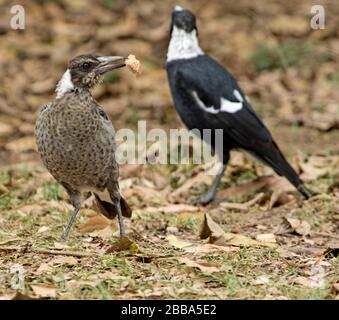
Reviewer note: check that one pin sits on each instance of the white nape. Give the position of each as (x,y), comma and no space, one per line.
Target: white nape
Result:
(225,105)
(178,8)
(64,85)
(183,45)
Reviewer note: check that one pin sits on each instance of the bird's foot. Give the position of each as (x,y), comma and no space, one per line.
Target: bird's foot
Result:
(63,238)
(204,199)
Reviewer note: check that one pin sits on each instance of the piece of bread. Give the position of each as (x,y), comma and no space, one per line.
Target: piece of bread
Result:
(133,64)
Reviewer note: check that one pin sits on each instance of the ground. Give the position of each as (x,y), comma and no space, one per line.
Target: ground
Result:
(264,242)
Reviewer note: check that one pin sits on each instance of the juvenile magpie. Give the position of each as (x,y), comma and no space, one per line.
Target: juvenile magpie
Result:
(76,142)
(206,96)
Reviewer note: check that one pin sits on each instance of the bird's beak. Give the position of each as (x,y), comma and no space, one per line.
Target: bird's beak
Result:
(108,63)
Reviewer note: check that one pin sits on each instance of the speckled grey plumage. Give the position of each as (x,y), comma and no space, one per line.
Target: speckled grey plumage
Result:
(75,140)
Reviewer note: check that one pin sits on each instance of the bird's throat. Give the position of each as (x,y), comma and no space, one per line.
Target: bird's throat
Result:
(183,45)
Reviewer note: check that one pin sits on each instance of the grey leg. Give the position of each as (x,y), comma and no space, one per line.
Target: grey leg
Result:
(120,220)
(70,223)
(209,195)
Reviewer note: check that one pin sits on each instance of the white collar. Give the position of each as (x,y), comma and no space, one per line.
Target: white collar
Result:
(183,45)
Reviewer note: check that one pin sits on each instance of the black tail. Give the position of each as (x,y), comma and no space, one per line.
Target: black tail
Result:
(108,209)
(276,160)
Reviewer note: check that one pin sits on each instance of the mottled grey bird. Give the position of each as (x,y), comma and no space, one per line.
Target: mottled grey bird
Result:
(75,139)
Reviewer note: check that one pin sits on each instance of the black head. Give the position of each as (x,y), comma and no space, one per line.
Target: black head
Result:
(86,70)
(183,19)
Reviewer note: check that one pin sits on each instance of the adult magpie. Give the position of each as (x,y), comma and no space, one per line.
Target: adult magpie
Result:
(206,96)
(76,139)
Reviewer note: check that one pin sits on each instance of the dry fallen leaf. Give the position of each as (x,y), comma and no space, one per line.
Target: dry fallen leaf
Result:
(44,267)
(45,290)
(301,227)
(60,246)
(317,166)
(278,187)
(16,295)
(174,208)
(93,223)
(123,244)
(22,145)
(243,206)
(63,260)
(210,229)
(203,266)
(105,233)
(263,279)
(175,242)
(208,248)
(266,237)
(43,229)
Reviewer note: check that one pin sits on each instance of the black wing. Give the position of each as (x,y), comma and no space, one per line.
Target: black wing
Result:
(206,80)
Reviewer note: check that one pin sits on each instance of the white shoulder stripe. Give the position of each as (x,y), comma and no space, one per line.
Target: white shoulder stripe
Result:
(202,105)
(237,94)
(230,106)
(225,105)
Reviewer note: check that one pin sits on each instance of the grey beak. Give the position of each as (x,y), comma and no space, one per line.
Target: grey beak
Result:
(108,63)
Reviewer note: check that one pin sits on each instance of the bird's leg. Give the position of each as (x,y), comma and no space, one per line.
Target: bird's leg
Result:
(209,195)
(70,223)
(120,220)
(75,198)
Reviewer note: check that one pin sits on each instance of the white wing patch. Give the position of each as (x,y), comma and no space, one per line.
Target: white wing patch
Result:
(225,105)
(65,84)
(237,94)
(202,105)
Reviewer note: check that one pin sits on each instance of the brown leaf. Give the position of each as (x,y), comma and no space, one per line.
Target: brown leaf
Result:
(266,237)
(45,290)
(63,260)
(301,227)
(16,295)
(217,235)
(317,166)
(208,248)
(123,244)
(243,206)
(278,187)
(43,229)
(22,145)
(203,266)
(174,208)
(211,229)
(96,222)
(105,233)
(44,267)
(60,246)
(175,242)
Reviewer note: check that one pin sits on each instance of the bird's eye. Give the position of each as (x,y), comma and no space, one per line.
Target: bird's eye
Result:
(85,65)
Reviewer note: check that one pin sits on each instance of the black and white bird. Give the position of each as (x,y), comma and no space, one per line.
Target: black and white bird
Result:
(206,96)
